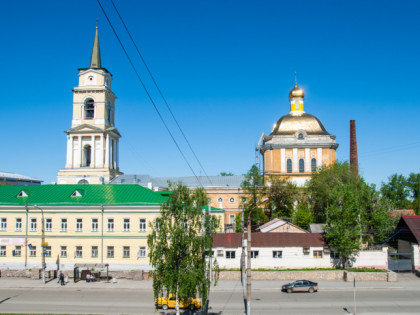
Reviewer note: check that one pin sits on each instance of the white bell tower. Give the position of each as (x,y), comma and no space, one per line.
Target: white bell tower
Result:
(92,141)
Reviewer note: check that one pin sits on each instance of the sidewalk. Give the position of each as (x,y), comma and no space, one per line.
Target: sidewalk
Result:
(407,283)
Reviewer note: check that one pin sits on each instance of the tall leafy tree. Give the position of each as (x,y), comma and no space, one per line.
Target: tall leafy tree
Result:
(303,216)
(413,183)
(253,192)
(179,248)
(226,174)
(343,228)
(323,182)
(397,191)
(281,196)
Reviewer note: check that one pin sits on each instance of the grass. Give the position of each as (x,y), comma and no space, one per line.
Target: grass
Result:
(315,269)
(366,270)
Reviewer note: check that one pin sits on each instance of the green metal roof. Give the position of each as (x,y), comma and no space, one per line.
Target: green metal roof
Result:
(90,195)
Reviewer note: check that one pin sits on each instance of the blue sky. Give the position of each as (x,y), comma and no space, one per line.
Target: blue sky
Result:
(226,68)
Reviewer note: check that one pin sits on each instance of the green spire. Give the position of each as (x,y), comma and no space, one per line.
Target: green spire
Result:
(95,60)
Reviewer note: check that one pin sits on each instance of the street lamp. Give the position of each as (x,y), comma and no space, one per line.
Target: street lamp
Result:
(42,242)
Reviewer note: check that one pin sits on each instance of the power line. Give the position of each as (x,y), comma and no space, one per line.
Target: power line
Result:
(159,90)
(147,92)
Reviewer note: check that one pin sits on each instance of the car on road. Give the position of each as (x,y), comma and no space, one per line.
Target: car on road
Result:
(300,286)
(170,302)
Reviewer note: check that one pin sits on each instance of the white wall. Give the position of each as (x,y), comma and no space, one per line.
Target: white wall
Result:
(416,256)
(292,257)
(372,259)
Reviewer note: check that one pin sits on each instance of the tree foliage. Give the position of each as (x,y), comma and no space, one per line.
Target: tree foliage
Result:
(253,192)
(303,216)
(281,196)
(397,190)
(323,182)
(178,248)
(226,174)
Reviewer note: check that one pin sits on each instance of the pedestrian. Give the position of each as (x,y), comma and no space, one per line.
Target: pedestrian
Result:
(61,278)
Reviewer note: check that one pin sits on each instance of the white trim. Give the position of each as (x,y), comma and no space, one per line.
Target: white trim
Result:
(283,167)
(295,165)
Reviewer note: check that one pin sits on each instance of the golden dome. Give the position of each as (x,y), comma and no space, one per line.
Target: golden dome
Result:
(296,92)
(292,123)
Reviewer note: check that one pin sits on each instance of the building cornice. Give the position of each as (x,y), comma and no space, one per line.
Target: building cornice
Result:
(272,146)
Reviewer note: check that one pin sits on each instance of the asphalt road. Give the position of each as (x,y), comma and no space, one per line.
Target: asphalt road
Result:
(397,300)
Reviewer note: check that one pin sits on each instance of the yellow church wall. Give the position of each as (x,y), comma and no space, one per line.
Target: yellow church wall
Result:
(267,160)
(276,160)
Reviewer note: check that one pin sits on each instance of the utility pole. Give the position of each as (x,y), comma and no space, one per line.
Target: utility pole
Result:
(248,272)
(42,242)
(243,250)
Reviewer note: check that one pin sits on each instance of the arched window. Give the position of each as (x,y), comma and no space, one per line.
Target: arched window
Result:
(83,182)
(313,165)
(289,166)
(89,109)
(86,155)
(300,136)
(301,165)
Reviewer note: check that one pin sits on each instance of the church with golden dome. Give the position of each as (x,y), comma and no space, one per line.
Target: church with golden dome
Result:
(298,145)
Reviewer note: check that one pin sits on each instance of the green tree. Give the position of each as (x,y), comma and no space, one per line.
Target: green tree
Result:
(226,174)
(416,206)
(397,191)
(281,196)
(323,182)
(343,227)
(413,183)
(303,216)
(178,248)
(253,192)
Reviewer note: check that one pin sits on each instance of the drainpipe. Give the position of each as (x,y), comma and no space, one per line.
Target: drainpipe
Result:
(26,237)
(102,235)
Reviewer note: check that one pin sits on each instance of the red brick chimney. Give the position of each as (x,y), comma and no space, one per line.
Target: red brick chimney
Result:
(354,163)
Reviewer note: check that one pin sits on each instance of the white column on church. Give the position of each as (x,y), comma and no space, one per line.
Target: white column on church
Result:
(282,160)
(295,168)
(79,152)
(307,160)
(114,166)
(69,150)
(117,154)
(92,151)
(319,158)
(101,153)
(107,151)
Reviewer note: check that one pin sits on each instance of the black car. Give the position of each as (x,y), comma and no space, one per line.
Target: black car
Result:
(300,286)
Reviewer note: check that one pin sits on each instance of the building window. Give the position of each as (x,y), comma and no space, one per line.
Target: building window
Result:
(334,255)
(277,254)
(32,251)
(3,224)
(33,225)
(63,251)
(110,225)
(126,252)
(232,200)
(219,253)
(289,165)
(48,225)
(18,251)
(220,200)
(301,165)
(306,250)
(300,136)
(157,224)
(89,108)
(255,253)
(2,251)
(47,251)
(94,251)
(317,254)
(231,218)
(95,225)
(83,182)
(142,252)
(110,252)
(79,251)
(142,225)
(230,254)
(18,224)
(79,225)
(313,165)
(87,150)
(126,225)
(63,225)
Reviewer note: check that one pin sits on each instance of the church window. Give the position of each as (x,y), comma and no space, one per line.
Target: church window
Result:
(86,155)
(89,108)
(300,136)
(301,165)
(82,182)
(109,113)
(289,166)
(313,165)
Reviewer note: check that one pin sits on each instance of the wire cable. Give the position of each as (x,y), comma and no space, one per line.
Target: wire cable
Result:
(159,90)
(147,92)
